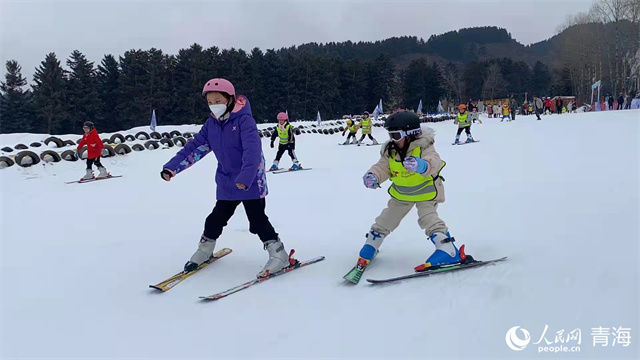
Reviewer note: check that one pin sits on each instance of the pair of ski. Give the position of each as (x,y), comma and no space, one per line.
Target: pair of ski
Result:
(283,170)
(81,181)
(354,275)
(168,284)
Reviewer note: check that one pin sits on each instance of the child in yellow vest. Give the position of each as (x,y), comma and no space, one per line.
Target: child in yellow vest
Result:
(286,142)
(505,112)
(366,125)
(411,162)
(352,128)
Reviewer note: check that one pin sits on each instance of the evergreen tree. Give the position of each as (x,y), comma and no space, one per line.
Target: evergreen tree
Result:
(107,77)
(50,96)
(133,105)
(16,109)
(541,79)
(82,93)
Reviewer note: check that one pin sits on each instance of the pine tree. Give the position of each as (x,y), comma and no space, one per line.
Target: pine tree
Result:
(541,79)
(81,92)
(16,111)
(107,77)
(50,96)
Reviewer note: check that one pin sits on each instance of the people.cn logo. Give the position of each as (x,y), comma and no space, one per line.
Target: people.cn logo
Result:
(515,342)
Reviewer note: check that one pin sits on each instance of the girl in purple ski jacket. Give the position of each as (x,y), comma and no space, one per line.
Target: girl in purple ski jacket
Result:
(231,133)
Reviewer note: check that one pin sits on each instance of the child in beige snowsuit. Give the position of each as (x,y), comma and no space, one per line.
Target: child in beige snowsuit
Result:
(411,162)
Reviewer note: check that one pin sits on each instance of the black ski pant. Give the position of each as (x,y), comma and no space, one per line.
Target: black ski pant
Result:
(258,221)
(513,115)
(466,129)
(538,113)
(351,135)
(363,135)
(96,161)
(288,147)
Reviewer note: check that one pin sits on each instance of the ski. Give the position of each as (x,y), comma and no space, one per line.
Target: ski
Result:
(347,144)
(466,142)
(177,278)
(354,275)
(275,169)
(439,270)
(93,179)
(288,170)
(250,283)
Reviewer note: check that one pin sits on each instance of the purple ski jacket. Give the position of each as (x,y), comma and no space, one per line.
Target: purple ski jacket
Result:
(238,148)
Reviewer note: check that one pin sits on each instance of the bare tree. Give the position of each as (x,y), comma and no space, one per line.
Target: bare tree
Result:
(494,84)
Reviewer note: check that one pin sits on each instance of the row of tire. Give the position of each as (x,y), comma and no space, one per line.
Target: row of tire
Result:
(28,158)
(154,140)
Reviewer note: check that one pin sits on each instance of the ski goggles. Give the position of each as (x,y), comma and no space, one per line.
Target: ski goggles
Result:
(397,135)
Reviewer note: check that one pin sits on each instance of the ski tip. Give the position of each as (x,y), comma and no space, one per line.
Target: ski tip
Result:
(157,288)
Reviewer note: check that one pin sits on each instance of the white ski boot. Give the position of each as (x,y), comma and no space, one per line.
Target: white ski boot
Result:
(354,141)
(278,258)
(204,253)
(103,172)
(88,175)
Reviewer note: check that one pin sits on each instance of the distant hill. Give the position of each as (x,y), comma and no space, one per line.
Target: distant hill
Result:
(459,46)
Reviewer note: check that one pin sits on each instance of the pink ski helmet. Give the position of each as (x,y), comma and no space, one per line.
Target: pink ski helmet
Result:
(282,116)
(219,85)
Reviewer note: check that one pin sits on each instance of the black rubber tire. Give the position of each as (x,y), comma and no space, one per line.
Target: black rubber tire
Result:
(6,162)
(166,135)
(130,138)
(54,155)
(82,154)
(151,145)
(115,137)
(156,135)
(56,140)
(297,131)
(137,147)
(166,142)
(69,155)
(69,143)
(175,133)
(331,131)
(122,149)
(108,151)
(22,155)
(21,147)
(187,135)
(7,149)
(179,141)
(142,136)
(35,144)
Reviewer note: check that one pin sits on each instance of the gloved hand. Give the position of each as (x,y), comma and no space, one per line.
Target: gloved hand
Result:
(415,164)
(166,175)
(370,181)
(272,144)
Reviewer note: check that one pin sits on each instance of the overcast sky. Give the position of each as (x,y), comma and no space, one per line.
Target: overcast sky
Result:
(30,29)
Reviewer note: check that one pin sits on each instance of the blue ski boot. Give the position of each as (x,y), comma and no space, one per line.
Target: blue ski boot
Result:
(295,167)
(274,167)
(446,253)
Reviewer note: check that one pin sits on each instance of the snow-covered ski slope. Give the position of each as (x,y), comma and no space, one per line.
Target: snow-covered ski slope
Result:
(559,197)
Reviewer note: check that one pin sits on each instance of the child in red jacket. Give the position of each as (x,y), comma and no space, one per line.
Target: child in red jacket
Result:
(94,150)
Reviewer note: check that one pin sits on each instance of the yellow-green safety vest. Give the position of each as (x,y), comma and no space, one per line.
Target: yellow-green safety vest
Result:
(366,126)
(352,128)
(462,120)
(284,134)
(410,186)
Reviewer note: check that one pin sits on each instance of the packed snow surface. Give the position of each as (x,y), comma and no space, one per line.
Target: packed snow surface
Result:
(559,197)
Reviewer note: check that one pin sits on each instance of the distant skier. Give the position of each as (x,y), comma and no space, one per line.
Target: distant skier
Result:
(231,133)
(547,106)
(287,142)
(94,150)
(464,123)
(352,128)
(366,125)
(412,164)
(513,107)
(538,106)
(505,112)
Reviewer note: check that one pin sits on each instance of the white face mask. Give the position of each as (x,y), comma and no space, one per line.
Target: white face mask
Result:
(218,109)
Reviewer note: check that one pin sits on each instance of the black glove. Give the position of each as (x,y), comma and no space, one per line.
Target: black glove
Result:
(167,172)
(272,144)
